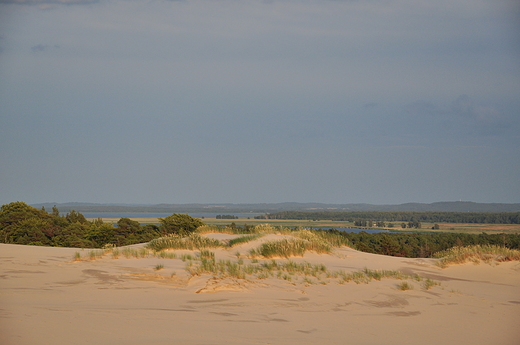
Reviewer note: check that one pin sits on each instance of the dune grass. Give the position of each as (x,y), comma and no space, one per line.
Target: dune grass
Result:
(135,252)
(258,229)
(193,242)
(259,264)
(243,239)
(475,254)
(304,240)
(429,283)
(288,247)
(403,286)
(296,272)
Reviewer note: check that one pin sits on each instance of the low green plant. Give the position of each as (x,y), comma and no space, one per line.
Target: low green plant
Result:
(307,280)
(186,257)
(243,239)
(166,255)
(428,284)
(115,253)
(158,267)
(96,254)
(405,286)
(206,254)
(264,229)
(77,256)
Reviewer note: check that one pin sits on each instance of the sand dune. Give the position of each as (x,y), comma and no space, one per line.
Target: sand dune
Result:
(48,298)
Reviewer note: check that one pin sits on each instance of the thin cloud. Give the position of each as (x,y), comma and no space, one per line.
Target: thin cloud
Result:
(465,107)
(42,47)
(370,105)
(487,120)
(422,108)
(49,2)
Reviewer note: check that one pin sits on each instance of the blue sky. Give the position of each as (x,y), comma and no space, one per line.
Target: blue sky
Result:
(217,101)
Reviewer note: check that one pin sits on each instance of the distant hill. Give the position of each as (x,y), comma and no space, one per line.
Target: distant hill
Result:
(446,206)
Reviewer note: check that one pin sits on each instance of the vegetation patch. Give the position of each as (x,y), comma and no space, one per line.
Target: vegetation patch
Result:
(405,286)
(477,253)
(193,242)
(243,239)
(304,240)
(288,247)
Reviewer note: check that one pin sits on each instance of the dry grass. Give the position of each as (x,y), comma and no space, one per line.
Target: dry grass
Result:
(257,267)
(289,247)
(192,242)
(403,286)
(243,239)
(477,253)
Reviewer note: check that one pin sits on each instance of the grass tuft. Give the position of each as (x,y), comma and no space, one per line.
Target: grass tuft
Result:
(428,284)
(243,239)
(405,286)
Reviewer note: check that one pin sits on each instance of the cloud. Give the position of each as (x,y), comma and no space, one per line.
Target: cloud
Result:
(466,108)
(465,115)
(486,119)
(41,47)
(370,105)
(422,108)
(49,2)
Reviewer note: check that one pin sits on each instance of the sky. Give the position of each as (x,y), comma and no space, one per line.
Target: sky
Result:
(253,101)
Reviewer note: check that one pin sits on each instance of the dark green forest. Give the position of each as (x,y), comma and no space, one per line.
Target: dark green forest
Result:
(426,217)
(423,245)
(24,224)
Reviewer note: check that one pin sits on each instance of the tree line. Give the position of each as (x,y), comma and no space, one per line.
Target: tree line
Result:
(423,245)
(24,224)
(226,216)
(425,217)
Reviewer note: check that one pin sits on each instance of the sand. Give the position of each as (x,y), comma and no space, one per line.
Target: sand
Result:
(48,298)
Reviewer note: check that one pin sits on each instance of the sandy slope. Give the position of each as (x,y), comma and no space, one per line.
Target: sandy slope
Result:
(46,298)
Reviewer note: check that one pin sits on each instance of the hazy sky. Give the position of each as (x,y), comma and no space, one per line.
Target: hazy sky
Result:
(246,101)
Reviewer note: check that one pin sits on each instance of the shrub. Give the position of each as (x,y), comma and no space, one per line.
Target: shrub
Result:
(179,224)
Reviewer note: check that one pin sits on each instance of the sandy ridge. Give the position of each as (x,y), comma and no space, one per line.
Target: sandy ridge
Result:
(47,298)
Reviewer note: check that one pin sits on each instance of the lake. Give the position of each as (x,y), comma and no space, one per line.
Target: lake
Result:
(203,215)
(355,230)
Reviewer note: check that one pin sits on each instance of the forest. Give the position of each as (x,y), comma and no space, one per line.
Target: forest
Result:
(24,224)
(423,245)
(426,217)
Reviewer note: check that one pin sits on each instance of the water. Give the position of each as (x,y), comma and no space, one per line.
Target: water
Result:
(158,215)
(356,230)
(118,215)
